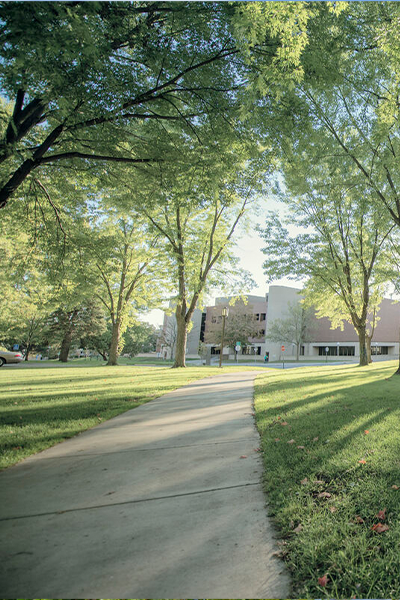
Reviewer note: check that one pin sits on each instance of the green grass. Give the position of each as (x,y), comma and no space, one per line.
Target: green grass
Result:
(43,405)
(340,415)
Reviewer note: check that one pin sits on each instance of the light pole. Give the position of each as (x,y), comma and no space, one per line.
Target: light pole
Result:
(224,315)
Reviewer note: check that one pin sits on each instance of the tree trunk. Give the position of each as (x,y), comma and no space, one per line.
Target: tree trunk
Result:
(362,338)
(28,349)
(181,339)
(102,354)
(398,370)
(368,345)
(113,352)
(65,346)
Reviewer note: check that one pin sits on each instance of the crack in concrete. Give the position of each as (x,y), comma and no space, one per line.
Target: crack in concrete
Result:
(68,510)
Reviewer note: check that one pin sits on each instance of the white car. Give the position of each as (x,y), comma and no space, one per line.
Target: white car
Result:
(7,357)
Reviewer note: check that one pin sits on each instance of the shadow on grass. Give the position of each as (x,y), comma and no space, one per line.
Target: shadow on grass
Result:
(347,426)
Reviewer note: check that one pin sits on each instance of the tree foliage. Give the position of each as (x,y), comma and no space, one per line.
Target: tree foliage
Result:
(294,328)
(240,326)
(343,256)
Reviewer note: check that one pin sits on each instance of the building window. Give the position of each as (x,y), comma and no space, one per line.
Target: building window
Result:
(213,319)
(257,316)
(263,316)
(262,332)
(251,350)
(379,350)
(332,351)
(301,350)
(347,350)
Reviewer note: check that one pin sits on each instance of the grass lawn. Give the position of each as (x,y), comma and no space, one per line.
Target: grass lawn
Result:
(331,448)
(42,405)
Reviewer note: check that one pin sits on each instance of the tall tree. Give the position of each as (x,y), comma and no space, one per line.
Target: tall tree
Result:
(344,257)
(295,327)
(70,325)
(197,214)
(125,268)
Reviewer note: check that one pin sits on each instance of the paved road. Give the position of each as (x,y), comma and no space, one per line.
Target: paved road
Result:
(155,503)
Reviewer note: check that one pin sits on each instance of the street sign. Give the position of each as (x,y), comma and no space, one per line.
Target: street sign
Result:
(283,348)
(16,347)
(327,349)
(238,344)
(237,348)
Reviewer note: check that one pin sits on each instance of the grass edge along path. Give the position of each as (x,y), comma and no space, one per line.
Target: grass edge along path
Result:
(330,442)
(42,406)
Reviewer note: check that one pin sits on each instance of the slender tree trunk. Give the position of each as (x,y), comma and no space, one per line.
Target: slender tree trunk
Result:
(102,354)
(65,346)
(113,352)
(181,339)
(368,345)
(362,338)
(398,370)
(28,349)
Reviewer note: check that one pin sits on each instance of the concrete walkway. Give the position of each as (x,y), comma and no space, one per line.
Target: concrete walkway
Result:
(155,503)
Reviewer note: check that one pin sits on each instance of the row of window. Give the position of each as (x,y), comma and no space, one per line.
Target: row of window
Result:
(257,317)
(349,350)
(333,351)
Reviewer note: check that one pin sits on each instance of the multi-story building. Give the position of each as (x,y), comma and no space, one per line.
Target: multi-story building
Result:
(323,343)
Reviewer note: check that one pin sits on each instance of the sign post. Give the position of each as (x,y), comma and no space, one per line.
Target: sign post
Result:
(326,353)
(283,356)
(237,349)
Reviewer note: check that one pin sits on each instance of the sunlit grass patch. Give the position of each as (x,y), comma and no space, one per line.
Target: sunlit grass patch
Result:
(331,447)
(44,405)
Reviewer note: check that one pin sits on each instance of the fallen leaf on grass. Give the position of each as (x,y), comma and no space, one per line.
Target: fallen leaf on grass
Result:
(324,495)
(291,441)
(284,423)
(301,447)
(319,482)
(277,440)
(379,528)
(358,519)
(366,431)
(322,581)
(304,481)
(395,487)
(333,509)
(298,528)
(362,461)
(381,515)
(315,439)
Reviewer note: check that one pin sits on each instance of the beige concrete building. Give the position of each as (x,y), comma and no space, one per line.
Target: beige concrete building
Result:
(323,344)
(333,344)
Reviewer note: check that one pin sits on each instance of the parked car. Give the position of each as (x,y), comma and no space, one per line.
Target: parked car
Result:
(7,357)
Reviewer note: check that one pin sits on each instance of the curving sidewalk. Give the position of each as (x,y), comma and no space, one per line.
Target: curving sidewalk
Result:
(158,502)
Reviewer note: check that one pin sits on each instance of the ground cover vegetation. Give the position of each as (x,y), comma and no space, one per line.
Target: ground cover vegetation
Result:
(330,443)
(41,406)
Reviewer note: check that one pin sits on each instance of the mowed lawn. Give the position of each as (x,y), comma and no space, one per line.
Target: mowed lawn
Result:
(43,405)
(331,448)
